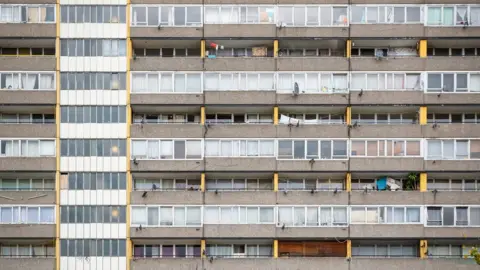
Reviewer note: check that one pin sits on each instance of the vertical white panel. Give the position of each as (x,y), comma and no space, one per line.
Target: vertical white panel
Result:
(122,263)
(122,197)
(63,196)
(93,197)
(63,230)
(64,263)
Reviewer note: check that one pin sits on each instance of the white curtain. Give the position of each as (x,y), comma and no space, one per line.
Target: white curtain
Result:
(226,148)
(434,216)
(139,216)
(211,15)
(211,215)
(312,216)
(398,215)
(139,148)
(212,148)
(475,16)
(33,148)
(46,81)
(266,215)
(285,216)
(299,216)
(166,82)
(325,216)
(339,216)
(194,149)
(47,148)
(413,215)
(180,219)
(434,149)
(33,215)
(313,83)
(267,148)
(166,149)
(139,83)
(194,83)
(474,216)
(47,215)
(252,148)
(194,216)
(180,83)
(285,82)
(153,149)
(252,215)
(358,81)
(166,216)
(212,81)
(462,216)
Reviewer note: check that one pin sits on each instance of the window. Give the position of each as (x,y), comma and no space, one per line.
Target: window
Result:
(166,251)
(93,81)
(301,16)
(239,250)
(27,148)
(385,215)
(167,149)
(453,82)
(312,82)
(238,215)
(93,14)
(386,14)
(27,215)
(227,81)
(167,82)
(453,149)
(27,81)
(385,81)
(311,216)
(238,184)
(27,184)
(458,216)
(93,47)
(453,15)
(27,13)
(167,216)
(384,118)
(92,214)
(225,14)
(93,114)
(166,16)
(239,148)
(93,181)
(312,149)
(385,148)
(385,250)
(93,248)
(166,184)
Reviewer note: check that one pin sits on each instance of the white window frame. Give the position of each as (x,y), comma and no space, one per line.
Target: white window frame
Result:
(385,211)
(454,6)
(173,140)
(238,12)
(385,6)
(239,220)
(19,142)
(19,212)
(385,147)
(455,90)
(185,207)
(389,80)
(38,74)
(333,21)
(331,140)
(454,216)
(331,210)
(454,140)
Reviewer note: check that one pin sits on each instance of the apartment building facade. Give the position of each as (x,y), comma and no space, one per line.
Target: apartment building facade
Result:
(217,134)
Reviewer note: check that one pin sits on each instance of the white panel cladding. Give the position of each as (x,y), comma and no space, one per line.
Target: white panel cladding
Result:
(94,231)
(93,2)
(93,63)
(93,131)
(93,30)
(93,164)
(93,263)
(93,97)
(93,197)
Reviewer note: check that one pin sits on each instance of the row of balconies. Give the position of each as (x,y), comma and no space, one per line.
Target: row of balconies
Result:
(341,197)
(304,263)
(261,31)
(338,64)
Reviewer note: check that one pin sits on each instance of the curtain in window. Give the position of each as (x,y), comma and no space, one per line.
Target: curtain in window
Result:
(139,83)
(339,83)
(475,16)
(358,81)
(166,149)
(47,148)
(47,215)
(194,216)
(339,216)
(285,216)
(33,16)
(180,219)
(413,215)
(461,17)
(33,149)
(434,149)
(434,216)
(211,215)
(285,82)
(166,216)
(434,15)
(139,216)
(448,16)
(46,81)
(299,216)
(152,215)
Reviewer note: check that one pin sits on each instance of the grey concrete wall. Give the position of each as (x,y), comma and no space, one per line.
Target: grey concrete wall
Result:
(27,263)
(167,64)
(453,63)
(386,231)
(239,30)
(28,164)
(32,63)
(451,165)
(167,131)
(465,98)
(27,197)
(387,30)
(22,30)
(451,130)
(315,232)
(240,97)
(242,131)
(386,164)
(324,32)
(308,198)
(239,231)
(386,97)
(24,97)
(28,130)
(240,164)
(166,264)
(312,64)
(452,232)
(452,32)
(312,131)
(388,64)
(312,99)
(387,197)
(27,231)
(166,99)
(168,165)
(167,232)
(179,32)
(240,64)
(240,198)
(386,131)
(167,197)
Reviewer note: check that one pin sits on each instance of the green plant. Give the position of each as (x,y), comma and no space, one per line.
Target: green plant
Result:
(412,182)
(475,254)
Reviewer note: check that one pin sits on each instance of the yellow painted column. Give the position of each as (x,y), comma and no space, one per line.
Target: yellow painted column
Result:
(348,182)
(349,248)
(275,115)
(422,48)
(203,248)
(423,182)
(57,137)
(275,248)
(275,48)
(202,48)
(128,148)
(348,115)
(423,115)
(202,115)
(423,249)
(348,48)
(275,182)
(202,182)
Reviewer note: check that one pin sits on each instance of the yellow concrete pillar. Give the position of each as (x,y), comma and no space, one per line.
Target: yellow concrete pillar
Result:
(348,182)
(202,48)
(203,248)
(423,115)
(275,115)
(348,115)
(202,115)
(275,248)
(423,182)
(202,182)
(349,248)
(423,249)
(275,182)
(422,48)
(275,48)
(348,52)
